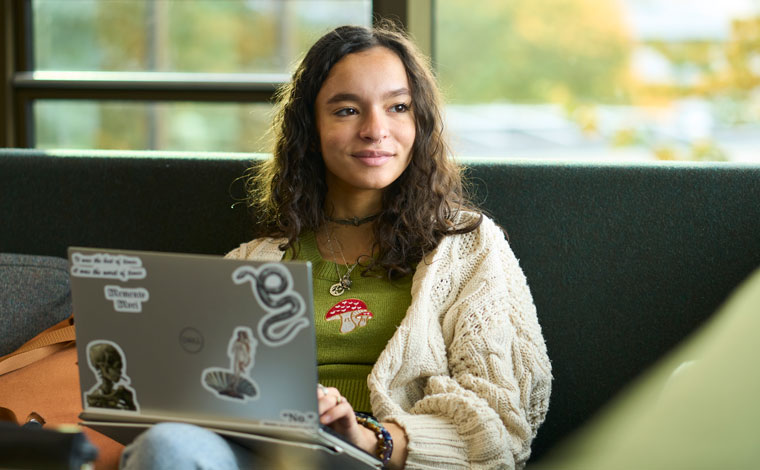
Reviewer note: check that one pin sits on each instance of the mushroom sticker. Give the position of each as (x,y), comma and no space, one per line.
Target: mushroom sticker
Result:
(352,314)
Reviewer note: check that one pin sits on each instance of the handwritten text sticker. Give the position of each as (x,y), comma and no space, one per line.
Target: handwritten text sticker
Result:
(126,299)
(106,266)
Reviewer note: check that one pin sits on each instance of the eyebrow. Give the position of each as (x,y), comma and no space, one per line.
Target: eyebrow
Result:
(352,97)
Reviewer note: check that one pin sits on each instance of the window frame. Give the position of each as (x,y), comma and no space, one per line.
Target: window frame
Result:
(21,86)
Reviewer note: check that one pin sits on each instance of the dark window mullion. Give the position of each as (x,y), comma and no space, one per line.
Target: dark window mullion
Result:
(19,130)
(159,86)
(23,35)
(115,94)
(24,92)
(395,10)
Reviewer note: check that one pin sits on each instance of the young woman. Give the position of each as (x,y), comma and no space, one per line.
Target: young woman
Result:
(423,316)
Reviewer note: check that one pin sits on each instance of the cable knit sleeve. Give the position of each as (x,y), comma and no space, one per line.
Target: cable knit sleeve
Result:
(484,386)
(259,249)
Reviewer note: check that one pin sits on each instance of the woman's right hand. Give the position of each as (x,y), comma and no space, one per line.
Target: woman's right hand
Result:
(337,413)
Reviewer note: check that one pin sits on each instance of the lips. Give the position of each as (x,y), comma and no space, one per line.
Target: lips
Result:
(373,157)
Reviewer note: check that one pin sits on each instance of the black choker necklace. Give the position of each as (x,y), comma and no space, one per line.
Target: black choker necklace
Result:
(355,221)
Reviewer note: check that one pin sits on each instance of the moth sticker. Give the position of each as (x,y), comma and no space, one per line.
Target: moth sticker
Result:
(109,364)
(234,383)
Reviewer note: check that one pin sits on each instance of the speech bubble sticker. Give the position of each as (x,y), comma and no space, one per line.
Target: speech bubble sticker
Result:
(107,266)
(109,364)
(127,299)
(235,384)
(299,418)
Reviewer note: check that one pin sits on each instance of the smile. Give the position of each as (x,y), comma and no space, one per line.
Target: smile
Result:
(373,157)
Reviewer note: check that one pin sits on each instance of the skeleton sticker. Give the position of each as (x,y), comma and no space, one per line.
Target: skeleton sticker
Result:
(272,285)
(109,364)
(351,313)
(235,383)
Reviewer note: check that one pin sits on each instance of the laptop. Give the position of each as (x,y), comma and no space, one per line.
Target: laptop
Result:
(228,345)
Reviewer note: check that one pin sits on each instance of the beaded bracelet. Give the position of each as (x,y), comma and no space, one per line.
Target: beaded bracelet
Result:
(384,440)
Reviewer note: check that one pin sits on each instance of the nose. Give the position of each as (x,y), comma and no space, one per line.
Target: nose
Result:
(374,126)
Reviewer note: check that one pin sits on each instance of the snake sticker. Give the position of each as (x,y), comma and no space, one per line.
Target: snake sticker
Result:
(272,285)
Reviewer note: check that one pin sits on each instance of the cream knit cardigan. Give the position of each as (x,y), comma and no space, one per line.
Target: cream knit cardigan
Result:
(466,373)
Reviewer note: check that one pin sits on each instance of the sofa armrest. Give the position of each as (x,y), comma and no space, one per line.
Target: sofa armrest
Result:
(34,294)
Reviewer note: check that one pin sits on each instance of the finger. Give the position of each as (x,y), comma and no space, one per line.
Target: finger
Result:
(327,402)
(341,414)
(330,400)
(323,391)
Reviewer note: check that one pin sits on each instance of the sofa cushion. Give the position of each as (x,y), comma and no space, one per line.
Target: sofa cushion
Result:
(34,294)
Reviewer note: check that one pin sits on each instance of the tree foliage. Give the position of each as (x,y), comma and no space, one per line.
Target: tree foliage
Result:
(532,51)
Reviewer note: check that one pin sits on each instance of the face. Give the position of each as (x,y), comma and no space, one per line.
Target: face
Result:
(365,123)
(110,368)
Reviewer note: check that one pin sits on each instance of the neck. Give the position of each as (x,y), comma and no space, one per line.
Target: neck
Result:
(360,207)
(348,241)
(352,240)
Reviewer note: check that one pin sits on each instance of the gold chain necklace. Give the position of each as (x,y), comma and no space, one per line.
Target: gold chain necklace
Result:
(344,282)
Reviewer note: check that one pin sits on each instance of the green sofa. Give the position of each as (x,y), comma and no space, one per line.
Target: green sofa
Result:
(624,260)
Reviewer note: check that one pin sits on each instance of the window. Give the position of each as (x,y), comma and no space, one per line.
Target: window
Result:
(173,125)
(601,79)
(158,74)
(590,79)
(204,36)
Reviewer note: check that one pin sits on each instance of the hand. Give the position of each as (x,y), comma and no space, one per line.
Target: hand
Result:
(337,413)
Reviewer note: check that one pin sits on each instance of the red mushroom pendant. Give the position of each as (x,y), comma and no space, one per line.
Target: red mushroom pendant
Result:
(352,313)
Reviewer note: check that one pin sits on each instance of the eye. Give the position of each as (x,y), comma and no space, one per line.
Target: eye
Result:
(346,112)
(400,108)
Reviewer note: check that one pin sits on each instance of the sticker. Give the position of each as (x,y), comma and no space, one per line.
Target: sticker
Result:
(272,286)
(191,340)
(108,362)
(352,314)
(298,417)
(105,266)
(127,299)
(234,383)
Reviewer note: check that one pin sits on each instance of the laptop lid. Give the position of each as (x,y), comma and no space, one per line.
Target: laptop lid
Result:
(194,337)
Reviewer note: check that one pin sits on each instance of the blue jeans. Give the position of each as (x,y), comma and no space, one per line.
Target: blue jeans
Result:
(184,446)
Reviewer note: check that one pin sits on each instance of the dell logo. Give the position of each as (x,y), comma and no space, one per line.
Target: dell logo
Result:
(191,340)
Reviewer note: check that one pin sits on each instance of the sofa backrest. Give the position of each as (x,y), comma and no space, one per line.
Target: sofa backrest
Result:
(623,260)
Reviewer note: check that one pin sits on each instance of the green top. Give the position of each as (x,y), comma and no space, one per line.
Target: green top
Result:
(353,328)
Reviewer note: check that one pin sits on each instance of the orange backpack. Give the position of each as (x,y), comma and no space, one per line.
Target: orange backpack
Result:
(41,379)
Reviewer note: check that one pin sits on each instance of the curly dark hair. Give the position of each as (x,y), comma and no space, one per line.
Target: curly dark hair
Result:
(287,192)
